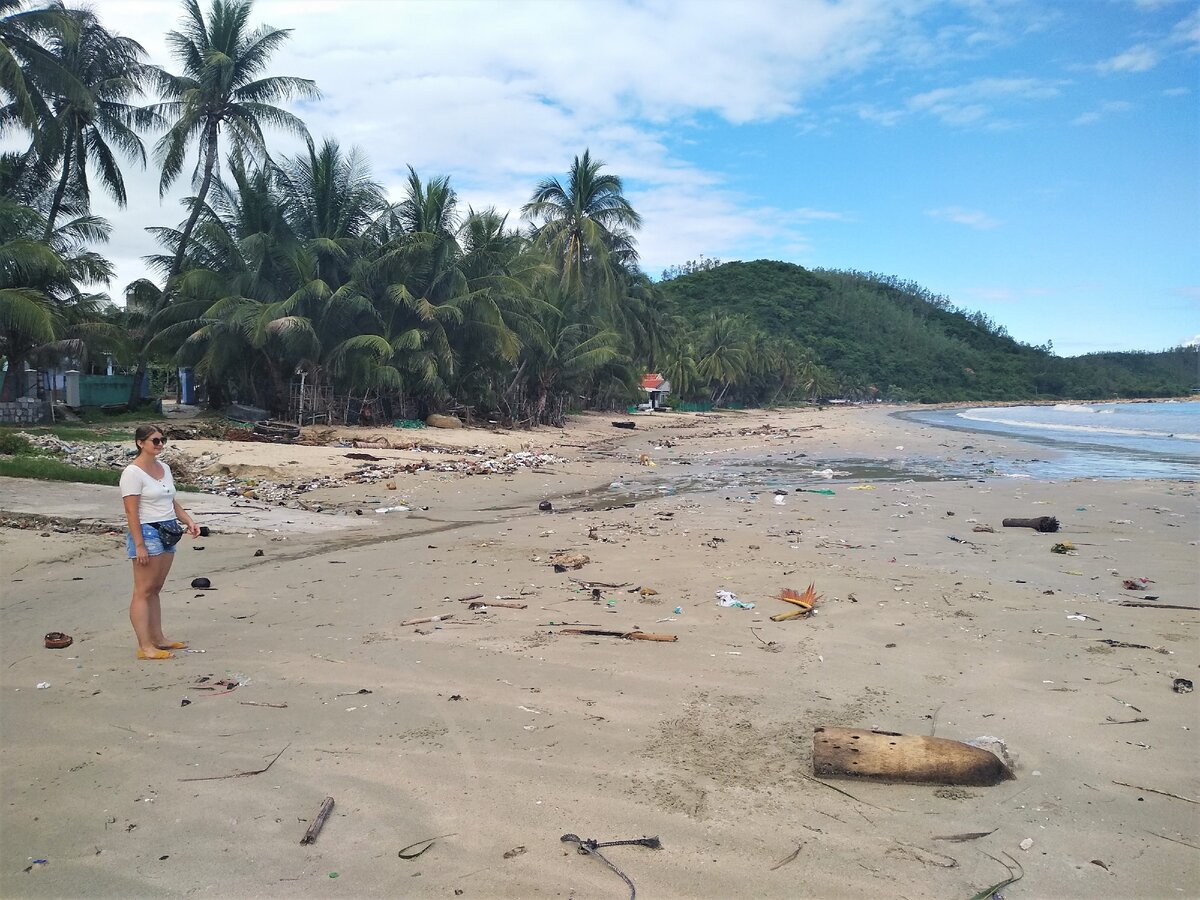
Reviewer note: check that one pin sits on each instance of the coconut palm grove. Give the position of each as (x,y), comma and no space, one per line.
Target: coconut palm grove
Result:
(287,269)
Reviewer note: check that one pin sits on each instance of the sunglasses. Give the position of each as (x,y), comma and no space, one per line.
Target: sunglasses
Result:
(158,442)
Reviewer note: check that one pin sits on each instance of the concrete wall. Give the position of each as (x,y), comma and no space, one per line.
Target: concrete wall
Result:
(26,411)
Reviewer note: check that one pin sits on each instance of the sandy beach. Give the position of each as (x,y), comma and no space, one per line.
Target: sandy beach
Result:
(499,732)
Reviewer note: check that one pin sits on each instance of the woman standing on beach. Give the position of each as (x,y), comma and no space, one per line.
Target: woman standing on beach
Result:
(148,491)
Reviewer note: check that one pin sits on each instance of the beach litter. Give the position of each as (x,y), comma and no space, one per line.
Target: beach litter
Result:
(56,640)
(829,492)
(37,864)
(428,842)
(1063,548)
(201,584)
(805,601)
(729,599)
(42,685)
(563,561)
(1136,584)
(1015,874)
(1038,523)
(1179,686)
(894,757)
(591,847)
(310,836)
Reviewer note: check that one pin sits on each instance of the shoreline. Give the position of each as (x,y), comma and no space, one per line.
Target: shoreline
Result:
(705,742)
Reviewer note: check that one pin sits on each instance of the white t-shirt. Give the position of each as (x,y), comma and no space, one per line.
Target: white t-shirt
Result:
(156,496)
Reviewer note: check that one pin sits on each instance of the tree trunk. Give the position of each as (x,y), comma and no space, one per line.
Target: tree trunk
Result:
(278,400)
(210,160)
(539,405)
(59,193)
(11,387)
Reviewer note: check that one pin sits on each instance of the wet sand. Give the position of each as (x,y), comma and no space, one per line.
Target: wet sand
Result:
(705,742)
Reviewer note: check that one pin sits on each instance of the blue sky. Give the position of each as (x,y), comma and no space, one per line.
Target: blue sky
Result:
(1039,161)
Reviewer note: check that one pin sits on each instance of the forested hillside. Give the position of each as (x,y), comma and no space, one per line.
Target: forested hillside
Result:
(905,343)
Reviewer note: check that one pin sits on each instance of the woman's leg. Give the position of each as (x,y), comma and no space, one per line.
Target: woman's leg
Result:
(161,566)
(144,611)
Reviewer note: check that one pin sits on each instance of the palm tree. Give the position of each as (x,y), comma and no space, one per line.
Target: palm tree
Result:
(40,278)
(723,359)
(220,88)
(585,227)
(27,68)
(108,70)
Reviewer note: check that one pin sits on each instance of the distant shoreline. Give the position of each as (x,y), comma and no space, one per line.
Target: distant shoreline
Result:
(999,404)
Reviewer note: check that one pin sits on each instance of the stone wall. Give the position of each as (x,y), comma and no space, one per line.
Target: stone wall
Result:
(25,411)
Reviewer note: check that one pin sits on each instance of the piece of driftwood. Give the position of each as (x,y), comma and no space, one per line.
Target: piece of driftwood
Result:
(966,836)
(240,774)
(422,621)
(1037,523)
(504,604)
(1141,787)
(889,756)
(597,584)
(1140,605)
(256,703)
(627,635)
(318,823)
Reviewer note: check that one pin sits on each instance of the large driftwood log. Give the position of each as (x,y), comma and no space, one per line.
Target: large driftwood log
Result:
(885,756)
(1038,523)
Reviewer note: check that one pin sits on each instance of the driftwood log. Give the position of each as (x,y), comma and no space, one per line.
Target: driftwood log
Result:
(318,823)
(505,604)
(627,635)
(422,621)
(887,756)
(1038,523)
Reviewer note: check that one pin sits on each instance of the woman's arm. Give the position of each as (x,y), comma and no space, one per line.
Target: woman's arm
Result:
(135,528)
(182,515)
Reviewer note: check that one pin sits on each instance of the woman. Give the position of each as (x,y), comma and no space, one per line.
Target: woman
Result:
(148,491)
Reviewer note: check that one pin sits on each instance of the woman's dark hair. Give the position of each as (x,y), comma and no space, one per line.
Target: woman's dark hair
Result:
(143,432)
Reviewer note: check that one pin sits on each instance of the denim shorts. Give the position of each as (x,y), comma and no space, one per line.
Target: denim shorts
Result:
(154,544)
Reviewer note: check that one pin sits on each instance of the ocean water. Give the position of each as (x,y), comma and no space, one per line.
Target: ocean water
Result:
(1105,440)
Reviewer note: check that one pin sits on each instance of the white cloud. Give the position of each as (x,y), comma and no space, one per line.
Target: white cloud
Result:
(1138,58)
(499,96)
(1102,111)
(972,218)
(976,101)
(1187,31)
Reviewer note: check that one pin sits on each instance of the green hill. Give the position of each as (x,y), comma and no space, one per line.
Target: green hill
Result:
(911,344)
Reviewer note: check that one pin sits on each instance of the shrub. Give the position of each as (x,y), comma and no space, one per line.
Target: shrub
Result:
(13,444)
